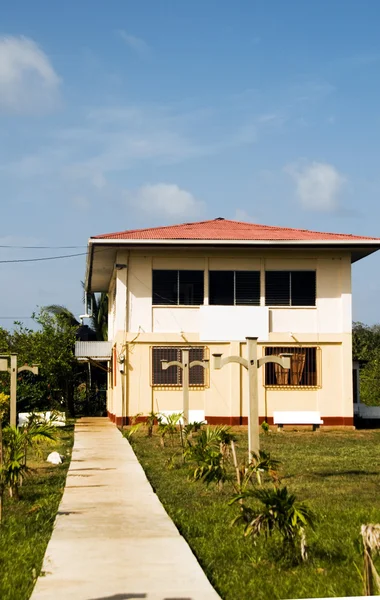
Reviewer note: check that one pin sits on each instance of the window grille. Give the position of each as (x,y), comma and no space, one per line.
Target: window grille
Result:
(303,370)
(178,287)
(173,375)
(290,288)
(240,288)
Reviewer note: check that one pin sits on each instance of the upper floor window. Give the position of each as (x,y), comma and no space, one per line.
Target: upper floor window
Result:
(178,287)
(290,288)
(234,288)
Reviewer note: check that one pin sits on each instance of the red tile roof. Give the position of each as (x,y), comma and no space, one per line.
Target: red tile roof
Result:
(223,229)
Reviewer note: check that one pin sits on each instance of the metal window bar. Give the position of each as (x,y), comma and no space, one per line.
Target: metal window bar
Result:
(302,373)
(172,377)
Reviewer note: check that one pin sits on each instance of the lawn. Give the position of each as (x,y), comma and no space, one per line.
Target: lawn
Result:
(27,525)
(336,472)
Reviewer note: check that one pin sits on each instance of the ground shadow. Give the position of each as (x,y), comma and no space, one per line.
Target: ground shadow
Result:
(95,469)
(120,597)
(69,512)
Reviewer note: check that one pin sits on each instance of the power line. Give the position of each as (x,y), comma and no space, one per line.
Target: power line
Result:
(43,247)
(23,260)
(16,318)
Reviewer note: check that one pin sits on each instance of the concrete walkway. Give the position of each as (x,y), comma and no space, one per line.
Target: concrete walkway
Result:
(112,538)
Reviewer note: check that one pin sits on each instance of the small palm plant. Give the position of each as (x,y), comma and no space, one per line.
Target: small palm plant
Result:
(37,431)
(132,430)
(15,445)
(280,512)
(209,453)
(150,421)
(262,462)
(192,428)
(168,426)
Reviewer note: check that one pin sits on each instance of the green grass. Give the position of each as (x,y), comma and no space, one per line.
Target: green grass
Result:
(27,525)
(336,472)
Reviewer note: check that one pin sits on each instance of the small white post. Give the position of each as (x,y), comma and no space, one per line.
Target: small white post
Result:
(185,384)
(253,410)
(13,394)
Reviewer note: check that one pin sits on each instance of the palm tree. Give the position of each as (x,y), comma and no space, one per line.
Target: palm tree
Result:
(99,314)
(16,441)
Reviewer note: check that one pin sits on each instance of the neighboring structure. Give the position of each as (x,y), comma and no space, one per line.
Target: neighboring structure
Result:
(207,286)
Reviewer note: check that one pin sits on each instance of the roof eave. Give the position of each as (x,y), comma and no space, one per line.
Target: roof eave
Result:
(208,242)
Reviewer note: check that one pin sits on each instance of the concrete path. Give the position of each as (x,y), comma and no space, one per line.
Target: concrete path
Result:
(112,538)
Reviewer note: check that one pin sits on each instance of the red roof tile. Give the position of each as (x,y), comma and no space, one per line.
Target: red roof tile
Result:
(223,229)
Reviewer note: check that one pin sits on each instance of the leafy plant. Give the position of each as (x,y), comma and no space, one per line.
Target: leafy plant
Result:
(151,420)
(265,427)
(261,463)
(4,405)
(209,452)
(16,442)
(280,512)
(133,429)
(192,428)
(168,425)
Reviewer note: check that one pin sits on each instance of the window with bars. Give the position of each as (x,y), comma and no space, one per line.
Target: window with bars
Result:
(303,370)
(237,288)
(290,288)
(178,287)
(173,375)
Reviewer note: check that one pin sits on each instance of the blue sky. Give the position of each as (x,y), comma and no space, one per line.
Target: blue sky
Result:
(132,114)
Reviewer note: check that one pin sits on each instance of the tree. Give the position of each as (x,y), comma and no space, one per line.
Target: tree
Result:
(366,348)
(51,346)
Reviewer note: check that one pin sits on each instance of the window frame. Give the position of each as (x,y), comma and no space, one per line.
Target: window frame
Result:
(178,287)
(234,272)
(293,386)
(178,386)
(290,305)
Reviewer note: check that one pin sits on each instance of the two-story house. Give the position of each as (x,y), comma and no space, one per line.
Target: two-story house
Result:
(208,286)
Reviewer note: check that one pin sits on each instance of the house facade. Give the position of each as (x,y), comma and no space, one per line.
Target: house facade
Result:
(207,286)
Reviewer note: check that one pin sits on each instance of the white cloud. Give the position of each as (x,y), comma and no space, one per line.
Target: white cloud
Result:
(135,43)
(28,82)
(318,185)
(165,200)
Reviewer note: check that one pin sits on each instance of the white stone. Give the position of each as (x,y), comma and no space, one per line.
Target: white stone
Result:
(54,458)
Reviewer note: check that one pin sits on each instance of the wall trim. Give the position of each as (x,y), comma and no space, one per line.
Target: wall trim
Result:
(236,421)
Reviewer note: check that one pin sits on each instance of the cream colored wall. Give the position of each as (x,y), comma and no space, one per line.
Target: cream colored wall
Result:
(227,392)
(328,326)
(332,313)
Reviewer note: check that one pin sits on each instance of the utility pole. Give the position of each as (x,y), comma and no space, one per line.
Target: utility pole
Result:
(185,365)
(14,371)
(252,364)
